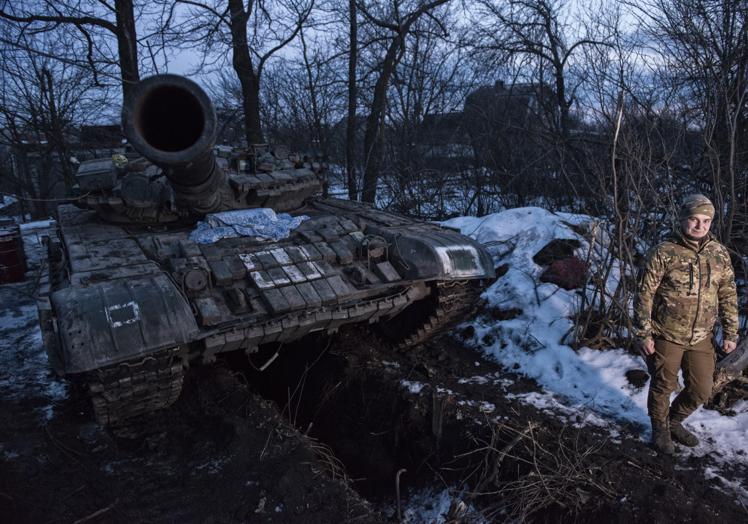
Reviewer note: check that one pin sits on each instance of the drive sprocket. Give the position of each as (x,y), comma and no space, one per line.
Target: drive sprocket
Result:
(448,304)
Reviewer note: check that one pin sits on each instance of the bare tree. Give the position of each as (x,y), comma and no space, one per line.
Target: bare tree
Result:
(302,96)
(536,28)
(253,32)
(42,104)
(350,133)
(426,144)
(88,22)
(705,47)
(540,45)
(395,20)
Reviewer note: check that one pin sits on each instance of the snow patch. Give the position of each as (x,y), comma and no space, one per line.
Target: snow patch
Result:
(586,387)
(413,387)
(737,487)
(25,373)
(430,506)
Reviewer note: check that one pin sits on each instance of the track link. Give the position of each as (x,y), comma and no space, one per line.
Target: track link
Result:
(451,302)
(136,387)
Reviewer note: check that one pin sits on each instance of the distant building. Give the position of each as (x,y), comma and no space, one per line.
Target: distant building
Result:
(92,138)
(446,141)
(496,120)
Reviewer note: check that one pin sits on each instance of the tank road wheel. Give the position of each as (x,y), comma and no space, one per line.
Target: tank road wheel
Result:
(136,387)
(449,303)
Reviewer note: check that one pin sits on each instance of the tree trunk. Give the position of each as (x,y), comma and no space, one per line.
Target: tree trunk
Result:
(127,46)
(350,133)
(55,133)
(245,72)
(372,137)
(317,134)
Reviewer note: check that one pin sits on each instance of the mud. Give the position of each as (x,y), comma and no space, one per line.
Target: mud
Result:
(221,454)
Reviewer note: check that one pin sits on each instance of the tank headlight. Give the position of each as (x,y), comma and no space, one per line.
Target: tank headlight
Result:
(460,261)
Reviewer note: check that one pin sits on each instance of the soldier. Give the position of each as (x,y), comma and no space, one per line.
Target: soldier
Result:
(688,281)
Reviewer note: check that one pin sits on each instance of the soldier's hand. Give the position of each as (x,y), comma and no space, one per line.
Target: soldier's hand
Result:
(647,347)
(728,347)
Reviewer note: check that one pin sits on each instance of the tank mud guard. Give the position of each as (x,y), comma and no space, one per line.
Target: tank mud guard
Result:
(118,321)
(436,254)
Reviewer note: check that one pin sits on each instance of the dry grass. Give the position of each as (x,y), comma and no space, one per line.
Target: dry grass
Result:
(523,472)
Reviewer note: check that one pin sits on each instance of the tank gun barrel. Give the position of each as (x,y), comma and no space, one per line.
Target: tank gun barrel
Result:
(171,121)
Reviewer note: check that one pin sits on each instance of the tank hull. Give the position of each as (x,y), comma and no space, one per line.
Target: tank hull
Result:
(131,293)
(145,279)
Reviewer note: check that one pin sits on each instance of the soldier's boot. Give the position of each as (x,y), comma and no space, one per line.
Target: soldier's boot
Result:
(681,435)
(661,439)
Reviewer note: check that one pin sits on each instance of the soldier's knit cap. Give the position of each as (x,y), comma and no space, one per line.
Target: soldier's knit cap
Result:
(696,204)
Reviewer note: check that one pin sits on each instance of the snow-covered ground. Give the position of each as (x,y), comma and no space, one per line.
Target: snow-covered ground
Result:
(430,196)
(23,362)
(587,384)
(431,506)
(24,369)
(6,201)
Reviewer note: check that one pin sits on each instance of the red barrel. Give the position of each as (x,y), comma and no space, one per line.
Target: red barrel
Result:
(12,257)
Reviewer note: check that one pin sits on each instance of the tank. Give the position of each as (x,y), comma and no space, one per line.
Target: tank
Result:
(141,285)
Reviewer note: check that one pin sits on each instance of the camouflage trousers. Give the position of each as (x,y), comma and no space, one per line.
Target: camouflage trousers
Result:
(697,362)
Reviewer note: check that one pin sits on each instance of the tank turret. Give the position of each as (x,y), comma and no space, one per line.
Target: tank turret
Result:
(170,121)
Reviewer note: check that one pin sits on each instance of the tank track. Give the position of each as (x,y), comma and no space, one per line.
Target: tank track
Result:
(136,387)
(451,302)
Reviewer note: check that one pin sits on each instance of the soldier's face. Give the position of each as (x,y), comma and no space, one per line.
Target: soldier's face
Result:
(696,226)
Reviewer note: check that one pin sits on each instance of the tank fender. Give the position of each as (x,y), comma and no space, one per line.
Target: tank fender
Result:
(111,322)
(440,253)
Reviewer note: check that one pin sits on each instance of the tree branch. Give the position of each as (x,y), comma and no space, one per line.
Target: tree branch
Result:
(82,20)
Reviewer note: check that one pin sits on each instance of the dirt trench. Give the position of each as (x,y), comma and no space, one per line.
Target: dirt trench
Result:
(440,417)
(352,402)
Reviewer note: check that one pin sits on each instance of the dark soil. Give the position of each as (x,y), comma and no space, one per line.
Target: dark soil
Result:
(221,454)
(321,436)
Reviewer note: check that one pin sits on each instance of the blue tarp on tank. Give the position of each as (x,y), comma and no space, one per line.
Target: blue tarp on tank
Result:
(257,223)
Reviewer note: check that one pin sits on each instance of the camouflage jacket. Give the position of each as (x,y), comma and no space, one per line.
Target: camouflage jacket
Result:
(682,290)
